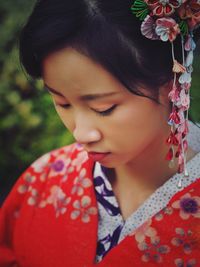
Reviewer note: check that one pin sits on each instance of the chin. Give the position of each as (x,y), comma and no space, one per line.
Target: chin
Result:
(108,165)
(112,163)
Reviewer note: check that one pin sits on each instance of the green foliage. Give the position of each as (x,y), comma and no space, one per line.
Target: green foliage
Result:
(195,90)
(140,9)
(29,125)
(183,27)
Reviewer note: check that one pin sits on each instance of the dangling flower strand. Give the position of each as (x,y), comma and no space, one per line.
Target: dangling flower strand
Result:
(164,20)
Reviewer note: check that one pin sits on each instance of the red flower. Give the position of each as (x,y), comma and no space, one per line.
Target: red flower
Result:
(162,8)
(190,11)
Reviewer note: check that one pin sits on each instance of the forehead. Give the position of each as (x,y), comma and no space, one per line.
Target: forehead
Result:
(68,70)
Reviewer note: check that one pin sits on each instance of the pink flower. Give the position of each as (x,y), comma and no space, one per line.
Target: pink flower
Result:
(172,139)
(184,239)
(29,179)
(83,209)
(80,183)
(60,166)
(188,206)
(186,86)
(181,263)
(58,199)
(81,158)
(148,28)
(163,8)
(190,11)
(166,211)
(189,44)
(174,117)
(57,195)
(183,128)
(153,252)
(167,29)
(184,100)
(174,94)
(40,164)
(144,230)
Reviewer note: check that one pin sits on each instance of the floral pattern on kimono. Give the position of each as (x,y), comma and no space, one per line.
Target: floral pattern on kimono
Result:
(53,217)
(113,229)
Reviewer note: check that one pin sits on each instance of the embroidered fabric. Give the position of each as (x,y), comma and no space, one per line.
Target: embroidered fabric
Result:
(112,229)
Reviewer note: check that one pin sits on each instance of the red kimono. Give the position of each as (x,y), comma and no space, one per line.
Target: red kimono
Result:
(50,219)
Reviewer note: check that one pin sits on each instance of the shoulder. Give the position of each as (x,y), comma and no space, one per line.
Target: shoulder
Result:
(57,185)
(59,161)
(47,174)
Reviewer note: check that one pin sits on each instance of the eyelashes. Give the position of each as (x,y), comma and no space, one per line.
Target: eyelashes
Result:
(65,106)
(106,112)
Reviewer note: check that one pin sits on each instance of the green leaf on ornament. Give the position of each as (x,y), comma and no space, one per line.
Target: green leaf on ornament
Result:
(140,9)
(183,27)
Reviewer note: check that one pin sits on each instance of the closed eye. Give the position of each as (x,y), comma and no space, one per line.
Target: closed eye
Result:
(106,112)
(62,105)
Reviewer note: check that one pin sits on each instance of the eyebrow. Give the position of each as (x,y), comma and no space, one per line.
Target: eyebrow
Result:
(88,97)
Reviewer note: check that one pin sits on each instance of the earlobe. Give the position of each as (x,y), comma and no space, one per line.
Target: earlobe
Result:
(168,87)
(164,93)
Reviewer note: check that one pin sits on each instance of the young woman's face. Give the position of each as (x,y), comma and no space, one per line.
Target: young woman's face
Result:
(101,113)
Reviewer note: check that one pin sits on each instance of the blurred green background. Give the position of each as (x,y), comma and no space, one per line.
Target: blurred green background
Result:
(29,125)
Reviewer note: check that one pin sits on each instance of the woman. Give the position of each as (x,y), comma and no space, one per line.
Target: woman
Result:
(121,195)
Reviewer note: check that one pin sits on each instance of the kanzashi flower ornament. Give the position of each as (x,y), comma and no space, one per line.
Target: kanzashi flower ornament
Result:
(190,11)
(164,20)
(163,8)
(167,29)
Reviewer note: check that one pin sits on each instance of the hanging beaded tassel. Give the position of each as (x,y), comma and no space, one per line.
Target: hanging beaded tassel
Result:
(165,20)
(180,97)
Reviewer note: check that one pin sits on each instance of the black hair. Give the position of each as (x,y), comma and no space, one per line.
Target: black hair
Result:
(104,30)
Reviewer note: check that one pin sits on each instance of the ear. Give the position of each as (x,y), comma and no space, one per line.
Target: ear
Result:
(166,88)
(164,95)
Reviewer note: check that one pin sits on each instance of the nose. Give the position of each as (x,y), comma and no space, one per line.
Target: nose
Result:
(85,132)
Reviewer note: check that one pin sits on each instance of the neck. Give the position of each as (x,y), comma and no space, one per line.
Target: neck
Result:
(148,171)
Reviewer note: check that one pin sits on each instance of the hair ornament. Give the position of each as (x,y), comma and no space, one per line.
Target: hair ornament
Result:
(164,20)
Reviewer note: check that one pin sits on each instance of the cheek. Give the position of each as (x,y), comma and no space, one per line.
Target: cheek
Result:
(138,126)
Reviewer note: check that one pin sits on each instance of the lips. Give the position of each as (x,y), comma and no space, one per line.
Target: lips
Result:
(95,152)
(96,156)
